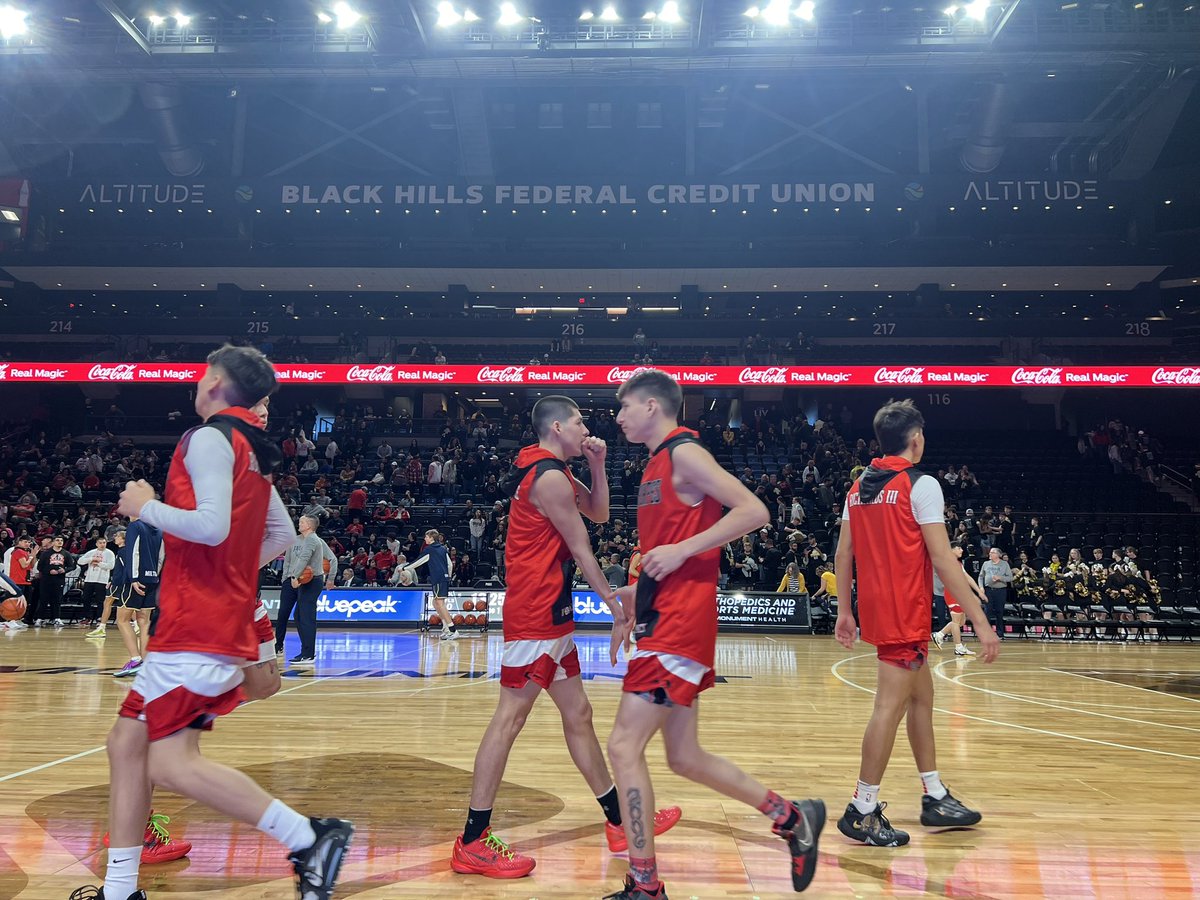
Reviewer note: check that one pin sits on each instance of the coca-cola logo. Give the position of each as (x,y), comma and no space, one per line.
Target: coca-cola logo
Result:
(769,375)
(372,373)
(1044,375)
(616,374)
(907,375)
(504,375)
(1186,376)
(119,372)
(3,371)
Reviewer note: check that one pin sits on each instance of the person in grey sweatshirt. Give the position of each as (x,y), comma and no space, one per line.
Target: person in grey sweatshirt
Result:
(994,577)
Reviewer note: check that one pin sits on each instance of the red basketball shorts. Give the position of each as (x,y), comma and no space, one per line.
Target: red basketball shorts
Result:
(665,678)
(173,691)
(911,655)
(952,604)
(543,662)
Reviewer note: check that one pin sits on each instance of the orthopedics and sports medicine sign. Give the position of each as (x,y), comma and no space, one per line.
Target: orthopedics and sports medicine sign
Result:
(412,375)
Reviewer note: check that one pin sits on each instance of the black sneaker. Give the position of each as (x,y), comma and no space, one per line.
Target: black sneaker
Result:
(317,867)
(802,840)
(632,892)
(90,892)
(872,829)
(301,659)
(947,813)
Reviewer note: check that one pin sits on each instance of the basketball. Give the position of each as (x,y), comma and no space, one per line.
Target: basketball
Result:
(12,608)
(470,620)
(481,619)
(468,605)
(435,620)
(458,619)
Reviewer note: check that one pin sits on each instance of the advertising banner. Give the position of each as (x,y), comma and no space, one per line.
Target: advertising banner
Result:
(598,376)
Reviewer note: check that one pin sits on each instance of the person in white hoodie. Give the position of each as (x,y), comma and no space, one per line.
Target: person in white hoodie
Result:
(97,565)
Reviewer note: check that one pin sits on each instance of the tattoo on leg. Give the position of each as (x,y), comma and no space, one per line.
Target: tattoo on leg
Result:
(637,823)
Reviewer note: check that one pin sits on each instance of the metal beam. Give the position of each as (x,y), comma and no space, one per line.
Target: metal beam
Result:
(1004,19)
(110,7)
(418,24)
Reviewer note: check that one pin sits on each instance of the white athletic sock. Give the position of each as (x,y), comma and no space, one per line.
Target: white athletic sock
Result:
(932,782)
(122,876)
(866,797)
(287,826)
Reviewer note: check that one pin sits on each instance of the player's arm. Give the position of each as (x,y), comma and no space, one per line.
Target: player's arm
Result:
(554,495)
(960,585)
(593,501)
(278,533)
(843,573)
(209,462)
(698,470)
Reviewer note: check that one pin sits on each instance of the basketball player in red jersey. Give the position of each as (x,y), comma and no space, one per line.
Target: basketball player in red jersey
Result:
(893,527)
(221,520)
(681,531)
(546,538)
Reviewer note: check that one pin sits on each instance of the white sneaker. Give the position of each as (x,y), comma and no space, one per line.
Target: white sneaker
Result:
(17,625)
(59,623)
(97,632)
(448,635)
(938,638)
(38,623)
(962,650)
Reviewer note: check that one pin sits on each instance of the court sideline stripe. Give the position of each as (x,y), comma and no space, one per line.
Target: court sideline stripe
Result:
(949,712)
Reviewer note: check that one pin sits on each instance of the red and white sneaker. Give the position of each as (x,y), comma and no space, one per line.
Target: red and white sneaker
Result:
(157,845)
(490,857)
(664,820)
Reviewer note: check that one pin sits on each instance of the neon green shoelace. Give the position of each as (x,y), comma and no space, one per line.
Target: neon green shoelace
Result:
(157,824)
(494,843)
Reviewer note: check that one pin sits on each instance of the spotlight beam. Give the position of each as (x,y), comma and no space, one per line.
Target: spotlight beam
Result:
(110,7)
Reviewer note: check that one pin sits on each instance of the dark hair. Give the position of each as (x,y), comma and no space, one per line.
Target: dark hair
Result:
(657,384)
(251,375)
(551,409)
(894,425)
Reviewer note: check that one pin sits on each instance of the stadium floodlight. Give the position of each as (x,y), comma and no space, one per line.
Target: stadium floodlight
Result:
(469,16)
(670,13)
(777,12)
(155,21)
(806,10)
(447,15)
(509,15)
(609,14)
(650,16)
(977,9)
(324,18)
(182,20)
(586,16)
(752,12)
(12,22)
(346,16)
(951,11)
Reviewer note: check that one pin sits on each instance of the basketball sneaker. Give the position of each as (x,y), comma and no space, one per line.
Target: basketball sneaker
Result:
(872,829)
(90,892)
(130,668)
(802,840)
(489,856)
(631,891)
(317,867)
(963,650)
(664,820)
(947,813)
(938,638)
(302,660)
(98,631)
(59,623)
(157,846)
(448,635)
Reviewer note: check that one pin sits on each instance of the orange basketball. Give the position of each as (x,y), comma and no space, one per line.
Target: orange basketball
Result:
(468,605)
(458,619)
(12,608)
(435,620)
(481,619)
(470,620)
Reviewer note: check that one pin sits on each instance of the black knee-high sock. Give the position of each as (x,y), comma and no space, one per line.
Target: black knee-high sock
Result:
(478,821)
(611,805)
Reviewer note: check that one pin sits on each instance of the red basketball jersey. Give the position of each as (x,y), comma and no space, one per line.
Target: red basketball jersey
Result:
(208,594)
(887,505)
(538,564)
(685,600)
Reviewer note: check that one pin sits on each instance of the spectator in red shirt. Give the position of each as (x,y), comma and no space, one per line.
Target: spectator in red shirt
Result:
(385,561)
(357,504)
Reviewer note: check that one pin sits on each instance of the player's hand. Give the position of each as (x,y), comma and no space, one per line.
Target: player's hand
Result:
(295,582)
(989,645)
(594,450)
(846,630)
(136,495)
(663,560)
(139,588)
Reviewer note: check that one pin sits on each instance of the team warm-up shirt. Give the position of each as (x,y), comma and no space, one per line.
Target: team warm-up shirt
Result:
(439,561)
(143,552)
(537,605)
(686,600)
(886,507)
(222,521)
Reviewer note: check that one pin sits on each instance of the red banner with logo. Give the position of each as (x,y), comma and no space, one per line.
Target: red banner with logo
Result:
(599,376)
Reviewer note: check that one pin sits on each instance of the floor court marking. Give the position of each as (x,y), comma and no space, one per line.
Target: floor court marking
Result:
(1132,687)
(949,712)
(957,679)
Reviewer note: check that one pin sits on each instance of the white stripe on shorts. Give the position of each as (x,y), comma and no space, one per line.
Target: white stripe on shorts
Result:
(205,674)
(688,669)
(524,653)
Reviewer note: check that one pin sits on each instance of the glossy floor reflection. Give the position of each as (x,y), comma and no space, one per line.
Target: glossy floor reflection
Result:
(1080,756)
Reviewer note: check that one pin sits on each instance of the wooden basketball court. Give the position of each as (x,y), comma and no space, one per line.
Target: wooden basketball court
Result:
(1082,757)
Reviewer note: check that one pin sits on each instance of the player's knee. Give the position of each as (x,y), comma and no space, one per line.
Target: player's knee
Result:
(123,745)
(686,763)
(579,716)
(620,750)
